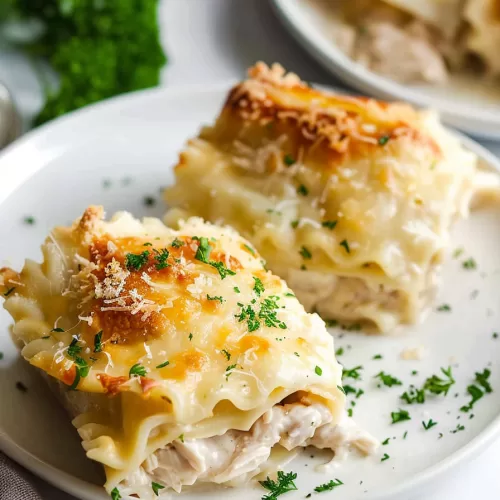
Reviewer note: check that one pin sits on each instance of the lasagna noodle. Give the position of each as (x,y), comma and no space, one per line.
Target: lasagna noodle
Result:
(215,340)
(349,199)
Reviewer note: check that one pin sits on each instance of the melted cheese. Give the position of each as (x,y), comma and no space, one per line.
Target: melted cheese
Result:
(215,339)
(328,186)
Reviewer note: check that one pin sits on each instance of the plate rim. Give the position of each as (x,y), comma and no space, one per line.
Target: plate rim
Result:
(88,491)
(482,123)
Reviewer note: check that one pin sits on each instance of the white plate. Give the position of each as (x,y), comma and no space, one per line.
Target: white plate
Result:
(466,103)
(132,142)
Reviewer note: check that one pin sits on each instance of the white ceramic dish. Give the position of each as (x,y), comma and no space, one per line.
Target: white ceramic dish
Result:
(120,151)
(468,104)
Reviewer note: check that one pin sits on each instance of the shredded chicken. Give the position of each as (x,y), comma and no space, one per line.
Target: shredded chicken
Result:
(237,455)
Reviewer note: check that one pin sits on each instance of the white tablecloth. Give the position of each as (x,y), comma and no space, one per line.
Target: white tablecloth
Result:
(216,40)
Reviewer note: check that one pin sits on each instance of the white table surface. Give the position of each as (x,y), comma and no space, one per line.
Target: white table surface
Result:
(216,40)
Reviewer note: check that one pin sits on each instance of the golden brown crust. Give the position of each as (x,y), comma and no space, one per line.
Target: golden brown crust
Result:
(342,125)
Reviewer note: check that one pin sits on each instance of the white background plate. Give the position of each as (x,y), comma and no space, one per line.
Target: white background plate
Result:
(468,103)
(132,142)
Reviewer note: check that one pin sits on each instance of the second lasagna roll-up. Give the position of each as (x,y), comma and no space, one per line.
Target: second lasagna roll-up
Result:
(351,200)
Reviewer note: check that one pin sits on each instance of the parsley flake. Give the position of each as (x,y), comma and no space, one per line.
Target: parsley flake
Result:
(400,416)
(413,395)
(57,330)
(294,224)
(82,370)
(98,342)
(115,494)
(329,224)
(249,248)
(226,353)
(236,289)
(9,291)
(138,370)
(161,257)
(74,349)
(378,356)
(318,370)
(438,385)
(258,287)
(190,337)
(177,243)
(385,442)
(136,261)
(149,201)
(352,373)
(469,264)
(29,219)
(328,486)
(385,457)
(383,140)
(162,365)
(444,308)
(305,253)
(223,270)
(218,299)
(302,190)
(428,425)
(283,484)
(388,380)
(156,487)
(288,160)
(345,244)
(181,438)
(203,250)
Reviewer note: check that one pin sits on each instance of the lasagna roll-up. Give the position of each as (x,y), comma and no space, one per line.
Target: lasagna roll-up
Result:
(180,357)
(349,199)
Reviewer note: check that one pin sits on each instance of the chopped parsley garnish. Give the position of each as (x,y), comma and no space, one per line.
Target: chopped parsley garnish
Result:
(438,385)
(74,349)
(147,244)
(29,219)
(162,365)
(318,370)
(352,373)
(236,289)
(305,253)
(98,342)
(218,299)
(181,438)
(288,294)
(302,190)
(388,380)
(136,261)
(383,140)
(458,428)
(223,270)
(226,353)
(248,314)
(190,337)
(82,370)
(328,486)
(349,412)
(161,258)
(385,442)
(137,369)
(203,250)
(378,356)
(428,425)
(349,389)
(495,335)
(458,252)
(9,291)
(156,487)
(115,494)
(268,312)
(341,389)
(258,287)
(149,201)
(345,244)
(339,351)
(405,434)
(413,395)
(444,308)
(177,243)
(400,416)
(294,224)
(475,392)
(385,457)
(289,160)
(229,370)
(57,330)
(249,248)
(330,224)
(469,264)
(283,484)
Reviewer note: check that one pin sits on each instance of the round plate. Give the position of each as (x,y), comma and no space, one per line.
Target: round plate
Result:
(117,153)
(468,104)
